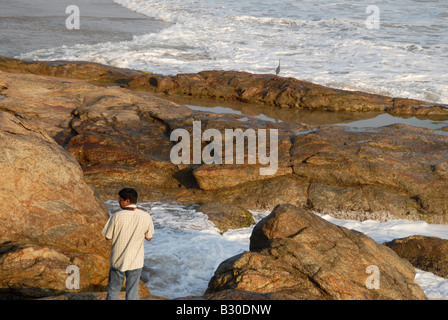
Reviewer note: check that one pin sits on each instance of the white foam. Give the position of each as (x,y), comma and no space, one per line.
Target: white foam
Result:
(187,248)
(318,41)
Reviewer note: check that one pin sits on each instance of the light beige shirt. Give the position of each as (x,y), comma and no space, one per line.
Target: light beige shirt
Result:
(128,229)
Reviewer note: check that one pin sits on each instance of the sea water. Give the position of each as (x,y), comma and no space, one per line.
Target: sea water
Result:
(187,248)
(404,54)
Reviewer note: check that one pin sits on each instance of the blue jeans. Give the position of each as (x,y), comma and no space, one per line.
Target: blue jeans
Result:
(116,278)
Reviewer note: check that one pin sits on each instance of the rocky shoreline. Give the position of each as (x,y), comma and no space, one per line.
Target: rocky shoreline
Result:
(114,128)
(266,89)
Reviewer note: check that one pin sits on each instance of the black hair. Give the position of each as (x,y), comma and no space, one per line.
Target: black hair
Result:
(129,194)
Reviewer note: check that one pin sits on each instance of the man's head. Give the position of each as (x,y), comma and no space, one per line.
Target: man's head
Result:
(127,196)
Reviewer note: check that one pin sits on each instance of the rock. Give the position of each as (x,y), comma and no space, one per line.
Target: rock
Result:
(51,218)
(387,169)
(418,108)
(226,216)
(121,141)
(277,91)
(222,176)
(116,137)
(426,253)
(94,72)
(43,99)
(266,89)
(302,256)
(122,138)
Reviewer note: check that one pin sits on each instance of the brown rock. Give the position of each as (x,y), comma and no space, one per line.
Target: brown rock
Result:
(116,136)
(417,108)
(213,177)
(298,254)
(226,216)
(424,252)
(44,99)
(120,141)
(221,176)
(263,89)
(277,91)
(397,169)
(93,72)
(122,137)
(50,217)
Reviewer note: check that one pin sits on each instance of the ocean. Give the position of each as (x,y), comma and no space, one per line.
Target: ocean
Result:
(397,48)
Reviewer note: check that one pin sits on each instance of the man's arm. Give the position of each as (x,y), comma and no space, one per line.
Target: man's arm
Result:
(150,232)
(108,229)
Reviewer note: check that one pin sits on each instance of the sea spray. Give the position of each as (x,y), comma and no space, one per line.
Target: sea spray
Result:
(187,248)
(319,41)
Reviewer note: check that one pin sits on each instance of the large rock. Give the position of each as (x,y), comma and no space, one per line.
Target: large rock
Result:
(298,255)
(271,90)
(226,216)
(51,218)
(425,253)
(265,89)
(93,72)
(397,169)
(122,138)
(115,135)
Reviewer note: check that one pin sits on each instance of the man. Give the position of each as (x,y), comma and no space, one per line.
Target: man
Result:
(127,229)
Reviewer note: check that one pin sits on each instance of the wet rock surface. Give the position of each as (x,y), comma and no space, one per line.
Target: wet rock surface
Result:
(295,254)
(122,137)
(76,131)
(51,218)
(226,216)
(265,89)
(426,253)
(277,91)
